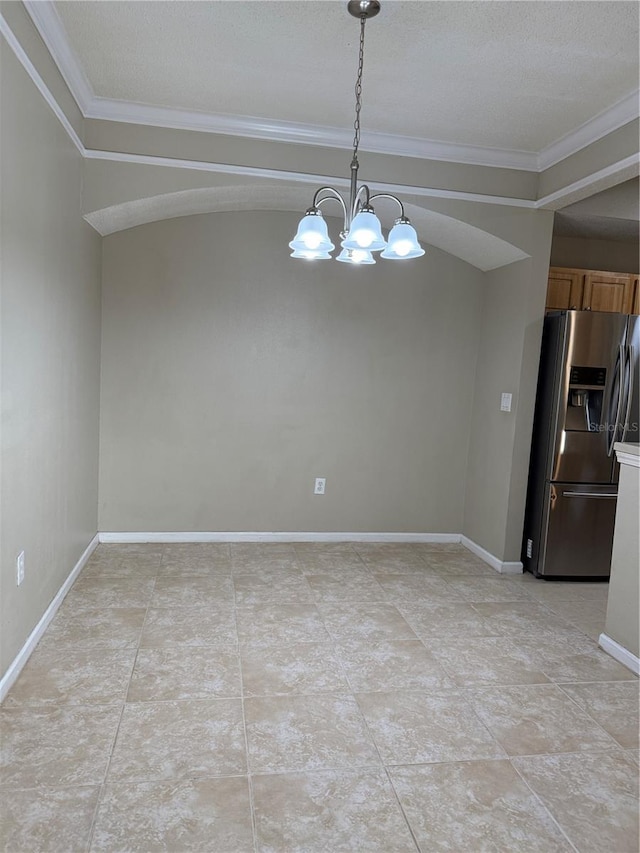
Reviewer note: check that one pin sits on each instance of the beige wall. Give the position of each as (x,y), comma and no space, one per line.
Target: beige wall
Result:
(508,356)
(50,278)
(613,255)
(498,362)
(233,375)
(623,605)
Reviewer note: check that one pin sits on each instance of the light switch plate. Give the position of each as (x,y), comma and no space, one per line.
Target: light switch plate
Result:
(505,403)
(20,568)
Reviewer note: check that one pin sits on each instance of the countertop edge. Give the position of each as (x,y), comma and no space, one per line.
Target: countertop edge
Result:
(627,453)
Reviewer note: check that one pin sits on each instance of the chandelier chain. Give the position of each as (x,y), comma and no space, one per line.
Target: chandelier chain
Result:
(356,123)
(361,234)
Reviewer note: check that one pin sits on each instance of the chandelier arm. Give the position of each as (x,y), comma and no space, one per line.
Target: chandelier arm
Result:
(357,201)
(393,198)
(335,196)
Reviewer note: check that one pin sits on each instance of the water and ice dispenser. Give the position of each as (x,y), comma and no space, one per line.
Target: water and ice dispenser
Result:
(585,404)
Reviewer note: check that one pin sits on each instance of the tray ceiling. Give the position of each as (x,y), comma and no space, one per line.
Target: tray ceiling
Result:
(508,75)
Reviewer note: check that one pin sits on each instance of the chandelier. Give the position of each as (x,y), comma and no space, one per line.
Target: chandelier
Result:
(361,234)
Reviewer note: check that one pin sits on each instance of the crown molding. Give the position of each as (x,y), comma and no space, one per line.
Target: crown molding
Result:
(42,87)
(52,32)
(299,133)
(615,173)
(622,112)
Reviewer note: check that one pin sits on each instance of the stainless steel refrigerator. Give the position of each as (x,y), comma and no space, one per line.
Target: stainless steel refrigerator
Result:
(587,399)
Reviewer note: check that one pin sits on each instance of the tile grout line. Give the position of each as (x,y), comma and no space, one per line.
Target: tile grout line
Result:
(602,751)
(550,684)
(485,726)
(591,717)
(126,693)
(103,783)
(383,766)
(632,678)
(598,750)
(548,811)
(252,811)
(399,801)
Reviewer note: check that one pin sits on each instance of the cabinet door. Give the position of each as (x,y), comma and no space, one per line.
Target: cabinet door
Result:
(608,292)
(564,289)
(636,296)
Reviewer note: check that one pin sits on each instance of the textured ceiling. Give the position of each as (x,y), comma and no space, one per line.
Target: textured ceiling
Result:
(595,227)
(622,201)
(515,75)
(613,214)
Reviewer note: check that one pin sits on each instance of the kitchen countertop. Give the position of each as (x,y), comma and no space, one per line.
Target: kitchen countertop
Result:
(627,453)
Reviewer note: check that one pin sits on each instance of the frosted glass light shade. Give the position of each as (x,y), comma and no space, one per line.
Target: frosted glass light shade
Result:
(365,233)
(356,257)
(403,243)
(311,255)
(312,235)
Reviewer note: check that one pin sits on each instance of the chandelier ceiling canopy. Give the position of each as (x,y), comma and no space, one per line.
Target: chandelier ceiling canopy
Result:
(361,234)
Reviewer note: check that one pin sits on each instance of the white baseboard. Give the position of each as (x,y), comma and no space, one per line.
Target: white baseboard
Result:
(135,537)
(127,538)
(10,676)
(624,656)
(508,568)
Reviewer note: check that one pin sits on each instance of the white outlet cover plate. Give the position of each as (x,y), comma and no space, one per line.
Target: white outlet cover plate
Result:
(319,486)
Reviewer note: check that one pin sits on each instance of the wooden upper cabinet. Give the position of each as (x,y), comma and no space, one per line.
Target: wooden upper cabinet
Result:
(608,292)
(593,290)
(565,288)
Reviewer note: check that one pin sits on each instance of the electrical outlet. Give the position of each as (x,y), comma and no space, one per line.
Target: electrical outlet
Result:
(20,568)
(529,548)
(321,482)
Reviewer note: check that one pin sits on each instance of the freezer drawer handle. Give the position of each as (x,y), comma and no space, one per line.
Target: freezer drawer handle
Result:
(589,495)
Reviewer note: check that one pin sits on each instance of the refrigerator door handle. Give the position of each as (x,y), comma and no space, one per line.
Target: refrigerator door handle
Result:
(612,427)
(627,412)
(589,495)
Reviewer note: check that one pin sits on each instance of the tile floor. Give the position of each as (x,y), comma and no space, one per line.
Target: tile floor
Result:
(319,698)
